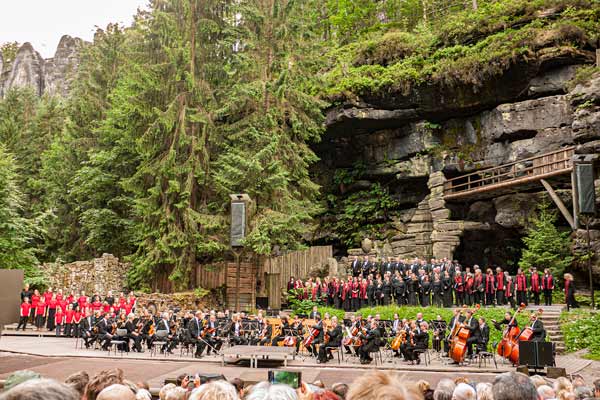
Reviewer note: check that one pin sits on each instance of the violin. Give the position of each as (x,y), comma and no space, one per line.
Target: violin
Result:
(399,340)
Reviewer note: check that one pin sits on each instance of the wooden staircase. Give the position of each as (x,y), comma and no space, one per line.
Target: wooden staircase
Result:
(505,178)
(551,319)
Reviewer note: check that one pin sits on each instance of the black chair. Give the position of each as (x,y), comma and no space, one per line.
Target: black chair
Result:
(160,339)
(426,355)
(117,343)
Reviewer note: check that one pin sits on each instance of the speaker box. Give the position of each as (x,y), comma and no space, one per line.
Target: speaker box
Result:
(238,223)
(554,372)
(527,354)
(584,174)
(545,354)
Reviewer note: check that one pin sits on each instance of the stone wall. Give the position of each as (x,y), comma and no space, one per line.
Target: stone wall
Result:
(95,276)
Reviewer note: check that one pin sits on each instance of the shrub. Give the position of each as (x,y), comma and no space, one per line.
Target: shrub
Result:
(580,330)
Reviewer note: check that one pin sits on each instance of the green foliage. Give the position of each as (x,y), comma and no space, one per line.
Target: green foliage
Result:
(366,213)
(583,75)
(8,52)
(580,330)
(431,313)
(467,49)
(545,245)
(16,232)
(200,292)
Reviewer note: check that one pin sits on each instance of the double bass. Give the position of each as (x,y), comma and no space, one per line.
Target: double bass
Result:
(458,346)
(509,345)
(525,336)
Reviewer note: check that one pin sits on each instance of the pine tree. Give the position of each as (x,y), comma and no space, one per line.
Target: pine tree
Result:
(16,232)
(87,215)
(168,98)
(271,117)
(545,245)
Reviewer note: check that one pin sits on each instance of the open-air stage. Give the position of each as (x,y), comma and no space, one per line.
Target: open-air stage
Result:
(58,358)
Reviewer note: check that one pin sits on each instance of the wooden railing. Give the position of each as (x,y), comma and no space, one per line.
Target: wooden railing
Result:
(522,171)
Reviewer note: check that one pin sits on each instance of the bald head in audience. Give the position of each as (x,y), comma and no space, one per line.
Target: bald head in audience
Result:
(116,392)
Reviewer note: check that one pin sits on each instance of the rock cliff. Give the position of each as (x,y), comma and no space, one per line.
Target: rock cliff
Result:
(51,76)
(413,142)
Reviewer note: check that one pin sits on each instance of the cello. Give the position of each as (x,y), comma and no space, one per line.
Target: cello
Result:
(509,338)
(458,347)
(525,336)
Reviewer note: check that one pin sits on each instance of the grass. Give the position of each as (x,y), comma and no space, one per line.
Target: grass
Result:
(580,330)
(431,313)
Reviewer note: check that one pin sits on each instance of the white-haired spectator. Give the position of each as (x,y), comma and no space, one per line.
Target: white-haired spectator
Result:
(267,391)
(583,392)
(514,385)
(177,393)
(444,389)
(40,389)
(562,384)
(143,394)
(538,381)
(162,393)
(464,391)
(484,391)
(116,392)
(221,390)
(546,392)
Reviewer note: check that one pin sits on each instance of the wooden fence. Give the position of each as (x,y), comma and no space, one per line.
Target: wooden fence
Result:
(265,277)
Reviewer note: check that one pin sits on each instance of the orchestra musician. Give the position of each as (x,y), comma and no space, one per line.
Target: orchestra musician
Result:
(104,329)
(419,340)
(506,321)
(283,330)
(134,332)
(472,324)
(171,339)
(297,329)
(211,336)
(86,329)
(371,342)
(355,325)
(332,339)
(196,326)
(539,333)
(484,335)
(317,332)
(235,332)
(266,333)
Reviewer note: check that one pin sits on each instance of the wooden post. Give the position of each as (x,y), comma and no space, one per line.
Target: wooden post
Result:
(561,206)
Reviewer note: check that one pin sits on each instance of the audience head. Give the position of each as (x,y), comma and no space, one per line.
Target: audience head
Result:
(444,389)
(597,387)
(484,391)
(561,384)
(222,390)
(545,392)
(103,380)
(116,392)
(583,392)
(267,391)
(40,389)
(513,385)
(19,377)
(341,389)
(383,385)
(537,381)
(78,381)
(464,391)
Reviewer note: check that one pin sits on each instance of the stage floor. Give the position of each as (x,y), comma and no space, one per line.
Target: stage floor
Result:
(57,358)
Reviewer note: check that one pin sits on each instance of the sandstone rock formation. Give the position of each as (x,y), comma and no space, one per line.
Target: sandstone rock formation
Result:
(52,76)
(415,142)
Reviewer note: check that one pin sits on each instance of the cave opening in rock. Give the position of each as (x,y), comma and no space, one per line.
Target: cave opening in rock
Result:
(492,247)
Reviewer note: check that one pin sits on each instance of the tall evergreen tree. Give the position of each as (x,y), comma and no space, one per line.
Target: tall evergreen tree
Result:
(545,245)
(169,100)
(16,232)
(270,119)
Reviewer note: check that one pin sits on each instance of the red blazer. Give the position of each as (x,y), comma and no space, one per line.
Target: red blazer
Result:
(535,283)
(521,283)
(547,282)
(500,281)
(458,283)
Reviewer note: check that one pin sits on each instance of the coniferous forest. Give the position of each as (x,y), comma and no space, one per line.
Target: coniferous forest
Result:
(199,99)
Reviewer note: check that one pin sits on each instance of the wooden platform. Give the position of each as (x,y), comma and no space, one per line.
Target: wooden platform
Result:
(507,178)
(256,353)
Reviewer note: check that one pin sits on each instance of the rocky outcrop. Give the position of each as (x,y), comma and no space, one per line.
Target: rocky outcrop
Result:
(52,76)
(518,115)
